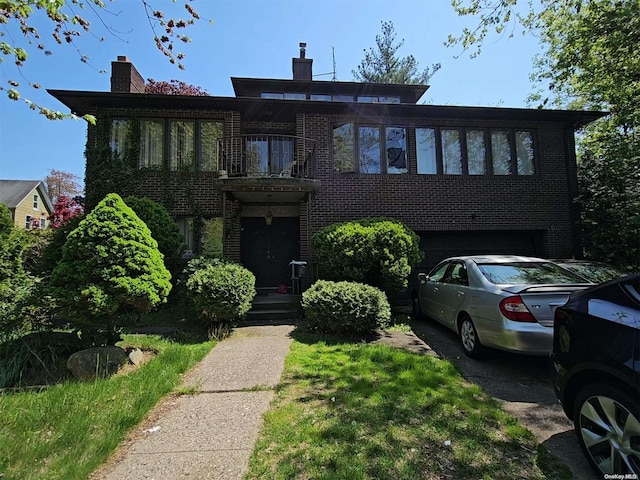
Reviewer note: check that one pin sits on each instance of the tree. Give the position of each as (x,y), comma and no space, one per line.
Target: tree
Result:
(61,183)
(382,65)
(109,262)
(67,26)
(64,210)
(173,87)
(590,60)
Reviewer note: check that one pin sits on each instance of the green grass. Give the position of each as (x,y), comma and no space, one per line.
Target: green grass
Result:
(68,430)
(358,411)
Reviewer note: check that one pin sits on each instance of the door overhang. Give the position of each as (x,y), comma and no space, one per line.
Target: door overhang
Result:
(268,189)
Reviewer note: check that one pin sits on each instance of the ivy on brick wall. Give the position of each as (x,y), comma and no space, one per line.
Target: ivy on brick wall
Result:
(110,172)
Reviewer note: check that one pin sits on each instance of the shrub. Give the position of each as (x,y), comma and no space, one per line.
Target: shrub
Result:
(109,262)
(164,229)
(345,307)
(221,291)
(376,251)
(22,308)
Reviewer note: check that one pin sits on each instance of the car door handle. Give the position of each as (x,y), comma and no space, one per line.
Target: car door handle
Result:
(435,289)
(460,293)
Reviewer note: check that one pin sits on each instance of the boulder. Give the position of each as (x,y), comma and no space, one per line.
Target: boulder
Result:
(96,362)
(136,356)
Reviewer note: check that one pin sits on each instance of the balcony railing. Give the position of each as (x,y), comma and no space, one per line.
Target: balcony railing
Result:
(266,156)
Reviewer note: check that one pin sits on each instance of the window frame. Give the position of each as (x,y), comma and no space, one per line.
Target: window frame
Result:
(382,147)
(36,201)
(488,148)
(165,161)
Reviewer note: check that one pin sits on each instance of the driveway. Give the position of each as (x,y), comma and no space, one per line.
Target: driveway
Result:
(522,384)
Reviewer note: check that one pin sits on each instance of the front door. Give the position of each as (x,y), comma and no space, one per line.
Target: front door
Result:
(266,250)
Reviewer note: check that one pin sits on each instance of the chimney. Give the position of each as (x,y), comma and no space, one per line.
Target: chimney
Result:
(124,77)
(302,67)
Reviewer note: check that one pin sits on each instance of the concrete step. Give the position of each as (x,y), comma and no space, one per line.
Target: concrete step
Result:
(272,314)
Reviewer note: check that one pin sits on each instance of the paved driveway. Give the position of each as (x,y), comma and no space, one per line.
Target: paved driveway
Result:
(522,384)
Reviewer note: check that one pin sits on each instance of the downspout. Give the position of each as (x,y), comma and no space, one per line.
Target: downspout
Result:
(573,189)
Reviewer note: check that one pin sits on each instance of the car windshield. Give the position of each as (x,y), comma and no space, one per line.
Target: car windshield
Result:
(594,272)
(527,273)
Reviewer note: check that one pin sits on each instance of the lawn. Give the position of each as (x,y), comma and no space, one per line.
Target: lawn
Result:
(68,430)
(349,410)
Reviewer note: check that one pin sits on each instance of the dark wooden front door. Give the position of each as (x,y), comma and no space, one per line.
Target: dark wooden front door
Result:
(266,250)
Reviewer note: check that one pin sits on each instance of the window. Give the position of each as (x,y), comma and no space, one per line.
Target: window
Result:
(437,274)
(28,222)
(182,152)
(210,132)
(451,152)
(151,143)
(369,143)
(272,95)
(396,147)
(476,152)
(472,151)
(426,150)
(343,148)
(185,226)
(501,152)
(320,97)
(364,152)
(119,132)
(35,202)
(43,223)
(295,96)
(524,153)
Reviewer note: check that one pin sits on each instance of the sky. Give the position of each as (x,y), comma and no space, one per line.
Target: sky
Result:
(247,38)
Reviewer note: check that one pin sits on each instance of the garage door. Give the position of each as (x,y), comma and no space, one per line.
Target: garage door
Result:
(440,245)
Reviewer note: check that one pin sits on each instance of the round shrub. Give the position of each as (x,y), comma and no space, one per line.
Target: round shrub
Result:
(345,307)
(221,291)
(376,251)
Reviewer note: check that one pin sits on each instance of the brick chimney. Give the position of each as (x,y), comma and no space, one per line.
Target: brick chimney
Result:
(302,67)
(124,77)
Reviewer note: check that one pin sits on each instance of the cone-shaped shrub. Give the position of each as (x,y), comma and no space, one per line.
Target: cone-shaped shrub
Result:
(110,261)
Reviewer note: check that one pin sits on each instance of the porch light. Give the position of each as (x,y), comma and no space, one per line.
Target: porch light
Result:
(268,217)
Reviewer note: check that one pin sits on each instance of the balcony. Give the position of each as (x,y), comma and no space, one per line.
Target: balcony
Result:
(271,156)
(267,168)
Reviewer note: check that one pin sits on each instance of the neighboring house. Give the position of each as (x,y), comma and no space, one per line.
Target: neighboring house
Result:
(284,158)
(28,202)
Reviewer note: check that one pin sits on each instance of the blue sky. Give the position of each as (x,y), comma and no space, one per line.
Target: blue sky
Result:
(250,39)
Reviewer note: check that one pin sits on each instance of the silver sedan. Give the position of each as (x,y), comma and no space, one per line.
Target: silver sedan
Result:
(497,301)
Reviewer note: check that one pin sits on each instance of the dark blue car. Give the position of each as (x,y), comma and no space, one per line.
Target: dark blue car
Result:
(596,359)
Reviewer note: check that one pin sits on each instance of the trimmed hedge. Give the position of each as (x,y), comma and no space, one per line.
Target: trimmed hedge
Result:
(345,307)
(220,291)
(376,251)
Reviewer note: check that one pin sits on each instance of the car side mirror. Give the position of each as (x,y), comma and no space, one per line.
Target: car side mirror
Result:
(423,277)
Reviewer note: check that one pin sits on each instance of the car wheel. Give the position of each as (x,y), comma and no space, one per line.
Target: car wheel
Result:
(469,337)
(607,422)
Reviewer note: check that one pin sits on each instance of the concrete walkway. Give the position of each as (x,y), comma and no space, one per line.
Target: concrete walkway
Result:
(211,434)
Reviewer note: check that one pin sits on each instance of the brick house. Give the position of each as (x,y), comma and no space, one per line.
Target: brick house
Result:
(284,158)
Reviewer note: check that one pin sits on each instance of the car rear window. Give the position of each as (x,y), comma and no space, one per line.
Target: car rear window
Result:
(529,273)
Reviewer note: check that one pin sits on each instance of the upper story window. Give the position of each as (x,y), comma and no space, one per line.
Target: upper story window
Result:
(325,97)
(119,133)
(182,148)
(36,202)
(151,143)
(369,149)
(469,151)
(178,144)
